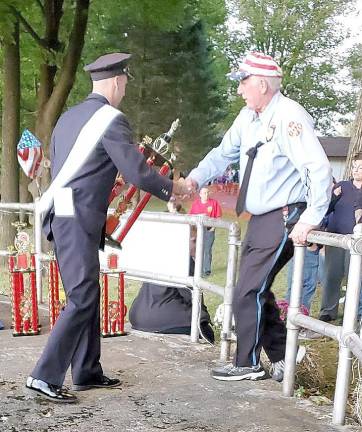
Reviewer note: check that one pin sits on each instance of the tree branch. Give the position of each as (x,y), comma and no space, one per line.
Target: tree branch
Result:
(29,28)
(41,6)
(68,70)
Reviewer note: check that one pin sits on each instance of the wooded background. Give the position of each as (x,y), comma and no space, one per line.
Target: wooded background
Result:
(182,50)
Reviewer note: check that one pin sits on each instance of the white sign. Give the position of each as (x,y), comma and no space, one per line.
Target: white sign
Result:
(157,247)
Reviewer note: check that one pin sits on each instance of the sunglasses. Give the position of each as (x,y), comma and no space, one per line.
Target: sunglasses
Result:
(127,72)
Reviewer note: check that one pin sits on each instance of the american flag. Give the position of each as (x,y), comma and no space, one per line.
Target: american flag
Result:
(30,154)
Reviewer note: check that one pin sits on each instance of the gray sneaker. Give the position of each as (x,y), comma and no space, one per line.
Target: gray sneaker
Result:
(230,372)
(277,370)
(308,334)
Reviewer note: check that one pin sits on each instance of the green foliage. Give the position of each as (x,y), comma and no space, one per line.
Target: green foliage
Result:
(182,85)
(355,62)
(174,63)
(152,13)
(7,18)
(304,36)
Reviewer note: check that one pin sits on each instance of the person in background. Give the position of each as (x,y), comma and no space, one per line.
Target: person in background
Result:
(167,309)
(313,271)
(358,207)
(341,220)
(310,275)
(211,208)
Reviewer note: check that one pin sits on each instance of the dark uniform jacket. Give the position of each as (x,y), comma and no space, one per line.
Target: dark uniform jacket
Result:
(159,308)
(114,152)
(341,219)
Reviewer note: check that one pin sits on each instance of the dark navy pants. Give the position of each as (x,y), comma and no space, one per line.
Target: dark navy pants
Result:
(75,338)
(266,250)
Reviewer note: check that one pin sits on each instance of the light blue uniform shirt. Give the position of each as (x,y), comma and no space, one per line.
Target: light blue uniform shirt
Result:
(290,167)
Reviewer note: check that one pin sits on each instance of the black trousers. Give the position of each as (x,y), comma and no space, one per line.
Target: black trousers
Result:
(266,250)
(75,338)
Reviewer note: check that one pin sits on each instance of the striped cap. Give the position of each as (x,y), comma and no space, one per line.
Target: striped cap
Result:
(259,64)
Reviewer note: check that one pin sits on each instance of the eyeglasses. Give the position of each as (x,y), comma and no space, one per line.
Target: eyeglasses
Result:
(127,72)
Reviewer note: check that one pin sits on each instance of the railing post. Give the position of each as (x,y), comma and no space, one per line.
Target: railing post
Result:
(292,329)
(196,292)
(349,321)
(231,271)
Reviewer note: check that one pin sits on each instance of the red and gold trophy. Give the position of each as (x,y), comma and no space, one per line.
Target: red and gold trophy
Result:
(113,312)
(56,303)
(24,304)
(157,154)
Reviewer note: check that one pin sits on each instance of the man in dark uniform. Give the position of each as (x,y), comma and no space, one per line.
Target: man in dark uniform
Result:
(89,144)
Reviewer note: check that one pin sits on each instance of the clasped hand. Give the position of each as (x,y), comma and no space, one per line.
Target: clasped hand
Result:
(184,187)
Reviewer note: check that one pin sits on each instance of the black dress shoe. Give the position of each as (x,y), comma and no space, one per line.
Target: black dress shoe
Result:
(101,382)
(50,391)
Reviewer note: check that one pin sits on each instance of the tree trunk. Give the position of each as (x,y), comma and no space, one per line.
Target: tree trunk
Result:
(52,98)
(355,145)
(10,134)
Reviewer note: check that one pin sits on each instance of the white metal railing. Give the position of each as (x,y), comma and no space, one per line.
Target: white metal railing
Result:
(349,341)
(195,282)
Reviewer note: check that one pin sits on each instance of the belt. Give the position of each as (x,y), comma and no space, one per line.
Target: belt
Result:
(291,214)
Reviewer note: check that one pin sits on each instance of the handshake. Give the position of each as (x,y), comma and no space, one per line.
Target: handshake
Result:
(184,187)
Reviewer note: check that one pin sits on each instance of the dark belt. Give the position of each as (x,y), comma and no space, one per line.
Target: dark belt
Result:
(292,213)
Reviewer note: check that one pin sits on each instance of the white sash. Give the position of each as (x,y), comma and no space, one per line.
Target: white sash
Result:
(87,140)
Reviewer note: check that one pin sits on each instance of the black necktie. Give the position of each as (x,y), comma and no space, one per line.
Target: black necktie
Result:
(240,203)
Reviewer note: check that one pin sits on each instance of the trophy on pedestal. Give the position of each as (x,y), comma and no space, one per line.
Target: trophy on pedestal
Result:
(24,304)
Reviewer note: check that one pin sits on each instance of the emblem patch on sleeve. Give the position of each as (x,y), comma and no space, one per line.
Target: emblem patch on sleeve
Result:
(294,129)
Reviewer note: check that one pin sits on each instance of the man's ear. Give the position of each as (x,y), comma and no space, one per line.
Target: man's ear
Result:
(115,82)
(263,86)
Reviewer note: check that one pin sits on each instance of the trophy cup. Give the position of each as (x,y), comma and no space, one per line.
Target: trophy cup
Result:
(23,285)
(157,153)
(113,311)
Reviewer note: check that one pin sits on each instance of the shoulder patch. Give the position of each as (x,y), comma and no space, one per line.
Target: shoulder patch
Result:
(294,129)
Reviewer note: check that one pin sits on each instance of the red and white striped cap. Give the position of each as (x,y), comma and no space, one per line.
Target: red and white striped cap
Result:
(256,63)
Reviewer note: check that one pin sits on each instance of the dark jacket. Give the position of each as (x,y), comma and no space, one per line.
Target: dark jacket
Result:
(341,219)
(114,152)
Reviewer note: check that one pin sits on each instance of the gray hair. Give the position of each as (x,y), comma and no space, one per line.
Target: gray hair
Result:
(274,83)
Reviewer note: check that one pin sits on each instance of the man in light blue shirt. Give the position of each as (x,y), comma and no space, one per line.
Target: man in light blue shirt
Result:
(287,195)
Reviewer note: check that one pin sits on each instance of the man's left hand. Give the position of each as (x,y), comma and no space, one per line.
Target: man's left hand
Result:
(300,231)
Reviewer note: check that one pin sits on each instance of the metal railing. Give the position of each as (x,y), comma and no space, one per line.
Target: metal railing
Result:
(349,341)
(196,282)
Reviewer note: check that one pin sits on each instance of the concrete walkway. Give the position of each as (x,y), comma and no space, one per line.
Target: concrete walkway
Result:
(166,385)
